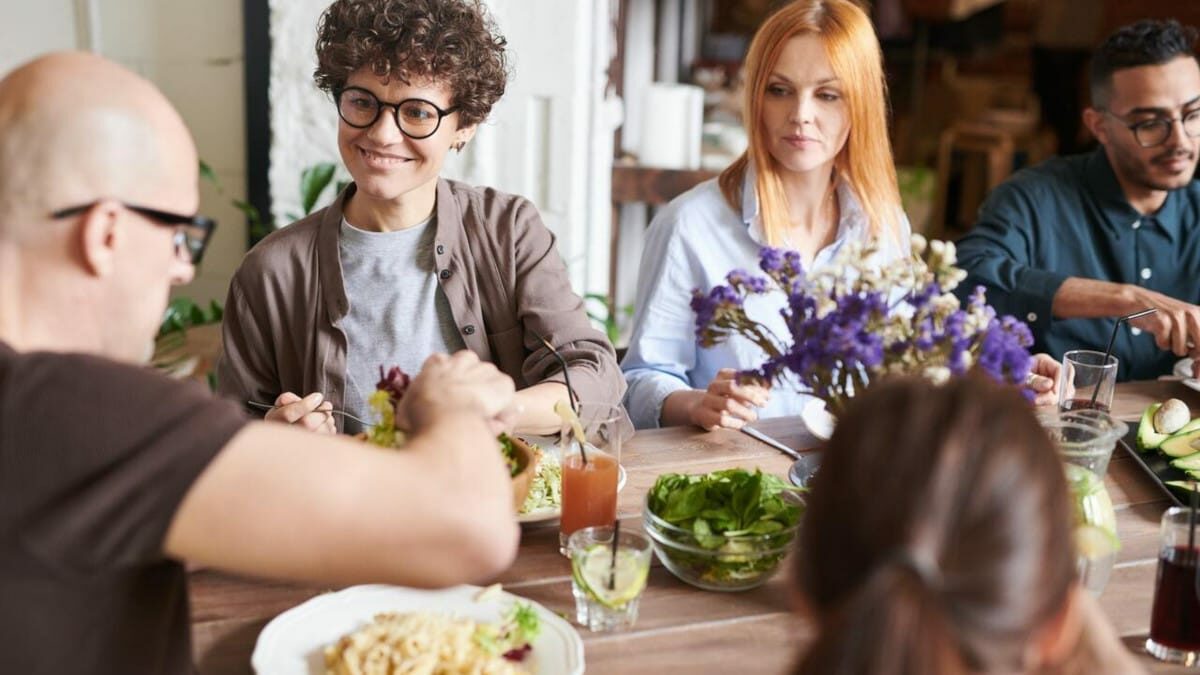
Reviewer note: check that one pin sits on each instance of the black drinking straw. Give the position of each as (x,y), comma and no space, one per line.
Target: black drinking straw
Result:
(612,569)
(1191,558)
(1113,338)
(574,400)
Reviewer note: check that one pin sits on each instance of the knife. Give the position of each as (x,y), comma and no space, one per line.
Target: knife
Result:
(758,435)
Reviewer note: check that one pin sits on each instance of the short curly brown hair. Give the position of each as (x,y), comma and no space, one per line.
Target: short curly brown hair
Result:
(452,41)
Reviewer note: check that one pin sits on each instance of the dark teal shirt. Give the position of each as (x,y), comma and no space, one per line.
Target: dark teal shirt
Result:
(1068,217)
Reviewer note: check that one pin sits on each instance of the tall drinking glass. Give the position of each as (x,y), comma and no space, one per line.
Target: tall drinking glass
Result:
(1175,619)
(1087,380)
(590,474)
(1085,440)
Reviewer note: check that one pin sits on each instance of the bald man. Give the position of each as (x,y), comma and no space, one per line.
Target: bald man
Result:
(110,474)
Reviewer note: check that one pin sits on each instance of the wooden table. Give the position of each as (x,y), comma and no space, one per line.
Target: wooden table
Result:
(683,629)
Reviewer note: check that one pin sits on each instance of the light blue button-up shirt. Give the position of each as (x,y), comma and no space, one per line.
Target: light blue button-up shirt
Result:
(694,242)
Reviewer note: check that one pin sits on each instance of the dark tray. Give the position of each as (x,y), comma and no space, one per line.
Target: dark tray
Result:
(1156,465)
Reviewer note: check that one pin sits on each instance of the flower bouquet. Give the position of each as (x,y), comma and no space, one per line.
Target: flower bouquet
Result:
(522,458)
(856,321)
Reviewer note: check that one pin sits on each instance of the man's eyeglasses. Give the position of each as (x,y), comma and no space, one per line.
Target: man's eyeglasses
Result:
(1154,132)
(416,117)
(192,233)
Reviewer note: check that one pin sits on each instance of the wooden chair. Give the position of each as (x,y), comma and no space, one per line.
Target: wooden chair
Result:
(988,154)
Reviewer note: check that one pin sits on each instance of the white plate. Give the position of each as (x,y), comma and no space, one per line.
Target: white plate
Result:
(1183,368)
(549,514)
(819,422)
(294,642)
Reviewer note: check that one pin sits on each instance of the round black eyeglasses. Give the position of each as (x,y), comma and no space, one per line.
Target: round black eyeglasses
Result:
(1153,133)
(416,117)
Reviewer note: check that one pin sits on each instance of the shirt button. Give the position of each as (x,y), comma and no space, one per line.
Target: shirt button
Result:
(445,274)
(1031,317)
(1145,272)
(1136,224)
(1136,331)
(469,330)
(440,249)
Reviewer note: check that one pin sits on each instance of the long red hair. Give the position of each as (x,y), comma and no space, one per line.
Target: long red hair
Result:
(865,161)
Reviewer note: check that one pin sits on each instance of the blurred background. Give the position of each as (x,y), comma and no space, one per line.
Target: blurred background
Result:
(614,107)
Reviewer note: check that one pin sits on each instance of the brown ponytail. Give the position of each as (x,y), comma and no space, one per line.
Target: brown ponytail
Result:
(937,538)
(873,630)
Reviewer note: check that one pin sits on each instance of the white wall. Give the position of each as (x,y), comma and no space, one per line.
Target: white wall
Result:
(193,52)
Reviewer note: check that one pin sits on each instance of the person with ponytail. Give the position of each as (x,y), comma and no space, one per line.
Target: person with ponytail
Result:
(960,561)
(818,174)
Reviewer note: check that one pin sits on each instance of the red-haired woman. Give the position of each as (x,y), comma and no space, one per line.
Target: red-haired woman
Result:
(817,175)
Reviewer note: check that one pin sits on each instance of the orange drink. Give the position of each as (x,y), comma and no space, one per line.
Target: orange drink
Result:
(591,447)
(589,491)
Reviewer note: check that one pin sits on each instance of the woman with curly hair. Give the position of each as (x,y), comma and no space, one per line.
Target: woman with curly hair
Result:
(405,263)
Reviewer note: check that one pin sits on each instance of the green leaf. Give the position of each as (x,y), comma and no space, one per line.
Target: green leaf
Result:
(206,173)
(684,504)
(313,182)
(745,499)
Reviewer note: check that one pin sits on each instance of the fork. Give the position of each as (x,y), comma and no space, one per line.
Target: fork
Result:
(343,413)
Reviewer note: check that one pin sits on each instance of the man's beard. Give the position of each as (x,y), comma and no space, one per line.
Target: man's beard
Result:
(1142,173)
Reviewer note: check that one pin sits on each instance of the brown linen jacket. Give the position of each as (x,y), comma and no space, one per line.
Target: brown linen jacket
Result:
(497,264)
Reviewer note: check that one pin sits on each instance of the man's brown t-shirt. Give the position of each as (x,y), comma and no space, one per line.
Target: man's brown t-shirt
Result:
(95,457)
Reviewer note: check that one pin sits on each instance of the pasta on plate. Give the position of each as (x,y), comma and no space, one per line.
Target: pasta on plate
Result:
(417,643)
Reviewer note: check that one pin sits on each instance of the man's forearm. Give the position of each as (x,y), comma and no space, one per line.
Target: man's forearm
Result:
(1079,298)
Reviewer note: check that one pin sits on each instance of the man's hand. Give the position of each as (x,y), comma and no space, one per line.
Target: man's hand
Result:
(1176,324)
(312,412)
(727,404)
(1043,379)
(454,384)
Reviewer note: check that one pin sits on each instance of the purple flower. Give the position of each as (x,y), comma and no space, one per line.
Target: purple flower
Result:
(742,280)
(839,342)
(782,265)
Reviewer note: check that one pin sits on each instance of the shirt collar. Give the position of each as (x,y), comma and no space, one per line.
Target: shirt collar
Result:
(852,220)
(1119,216)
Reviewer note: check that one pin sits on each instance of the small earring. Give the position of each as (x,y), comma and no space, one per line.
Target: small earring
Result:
(459,146)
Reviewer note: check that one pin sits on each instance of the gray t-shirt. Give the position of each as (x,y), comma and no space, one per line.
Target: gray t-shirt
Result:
(398,313)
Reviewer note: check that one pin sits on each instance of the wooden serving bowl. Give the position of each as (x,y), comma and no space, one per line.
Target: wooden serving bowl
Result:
(527,461)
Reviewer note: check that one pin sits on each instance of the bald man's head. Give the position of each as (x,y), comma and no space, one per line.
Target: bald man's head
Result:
(75,127)
(77,130)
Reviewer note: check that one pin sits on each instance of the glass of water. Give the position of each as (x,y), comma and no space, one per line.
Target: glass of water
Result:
(608,588)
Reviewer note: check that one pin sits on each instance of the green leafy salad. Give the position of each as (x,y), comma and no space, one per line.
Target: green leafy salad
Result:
(513,637)
(741,522)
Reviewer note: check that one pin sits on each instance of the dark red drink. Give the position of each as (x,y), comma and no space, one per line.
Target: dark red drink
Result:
(1175,619)
(1082,404)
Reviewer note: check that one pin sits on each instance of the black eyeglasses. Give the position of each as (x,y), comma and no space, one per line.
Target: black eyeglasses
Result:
(416,117)
(192,233)
(1155,132)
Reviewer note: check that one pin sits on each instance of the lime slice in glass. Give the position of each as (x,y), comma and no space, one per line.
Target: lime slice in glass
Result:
(1093,505)
(593,566)
(1094,542)
(568,416)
